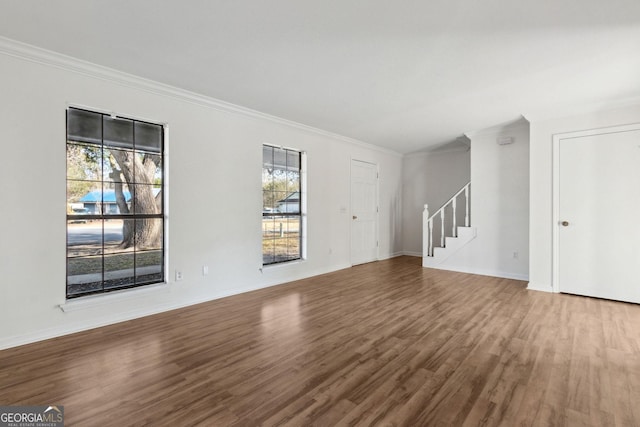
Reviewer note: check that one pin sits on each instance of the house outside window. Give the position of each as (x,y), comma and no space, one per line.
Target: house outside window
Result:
(115,206)
(282,205)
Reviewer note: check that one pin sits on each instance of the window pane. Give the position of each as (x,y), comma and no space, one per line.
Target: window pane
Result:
(116,199)
(291,203)
(115,233)
(84,162)
(84,275)
(84,237)
(293,238)
(267,178)
(280,249)
(84,126)
(81,197)
(148,137)
(293,181)
(279,158)
(151,168)
(279,180)
(267,202)
(118,132)
(148,233)
(132,166)
(119,270)
(280,202)
(293,227)
(267,157)
(111,166)
(149,266)
(268,230)
(146,199)
(293,161)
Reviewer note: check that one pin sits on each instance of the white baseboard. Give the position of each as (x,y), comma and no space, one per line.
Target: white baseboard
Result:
(411,253)
(539,287)
(389,256)
(491,273)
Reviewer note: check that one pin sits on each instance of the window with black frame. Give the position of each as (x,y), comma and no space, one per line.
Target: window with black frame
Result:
(281,205)
(115,206)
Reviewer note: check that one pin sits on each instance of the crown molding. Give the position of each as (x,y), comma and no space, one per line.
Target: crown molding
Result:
(506,127)
(460,144)
(576,110)
(50,58)
(436,152)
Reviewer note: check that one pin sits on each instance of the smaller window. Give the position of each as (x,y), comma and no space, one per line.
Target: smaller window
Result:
(282,219)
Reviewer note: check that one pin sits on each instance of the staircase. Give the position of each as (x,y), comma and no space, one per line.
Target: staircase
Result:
(448,236)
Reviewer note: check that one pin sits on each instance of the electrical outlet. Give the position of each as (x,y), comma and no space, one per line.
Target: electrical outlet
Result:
(205,270)
(515,255)
(178,275)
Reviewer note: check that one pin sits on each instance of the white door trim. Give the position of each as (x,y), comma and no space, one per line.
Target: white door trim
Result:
(557,138)
(377,215)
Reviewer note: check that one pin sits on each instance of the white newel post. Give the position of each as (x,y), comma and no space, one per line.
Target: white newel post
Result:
(426,232)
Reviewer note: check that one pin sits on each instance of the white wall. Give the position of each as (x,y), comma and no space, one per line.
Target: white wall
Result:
(541,165)
(429,178)
(499,205)
(214,161)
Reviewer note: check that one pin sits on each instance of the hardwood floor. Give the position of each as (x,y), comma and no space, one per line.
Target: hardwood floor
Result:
(386,343)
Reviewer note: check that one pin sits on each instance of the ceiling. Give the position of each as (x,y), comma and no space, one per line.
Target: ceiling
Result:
(406,75)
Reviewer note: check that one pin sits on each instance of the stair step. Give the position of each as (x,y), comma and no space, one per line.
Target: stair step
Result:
(452,245)
(466,231)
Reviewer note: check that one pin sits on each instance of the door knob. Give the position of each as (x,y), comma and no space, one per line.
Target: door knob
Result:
(355,217)
(565,223)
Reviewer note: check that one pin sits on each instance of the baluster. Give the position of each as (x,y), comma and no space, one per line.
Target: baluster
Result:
(454,231)
(442,228)
(430,237)
(466,203)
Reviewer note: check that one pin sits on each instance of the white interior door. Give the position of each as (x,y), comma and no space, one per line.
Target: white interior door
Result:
(364,212)
(599,222)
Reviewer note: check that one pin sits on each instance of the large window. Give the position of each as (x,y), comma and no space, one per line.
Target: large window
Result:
(115,208)
(282,220)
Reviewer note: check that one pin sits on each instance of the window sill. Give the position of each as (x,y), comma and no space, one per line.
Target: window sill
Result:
(282,264)
(92,301)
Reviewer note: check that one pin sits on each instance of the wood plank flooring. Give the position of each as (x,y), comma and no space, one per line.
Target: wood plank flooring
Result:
(386,343)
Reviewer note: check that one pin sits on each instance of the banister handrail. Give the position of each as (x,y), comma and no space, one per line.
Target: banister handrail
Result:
(427,221)
(455,196)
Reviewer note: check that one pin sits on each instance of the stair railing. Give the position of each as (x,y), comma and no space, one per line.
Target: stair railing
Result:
(427,221)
